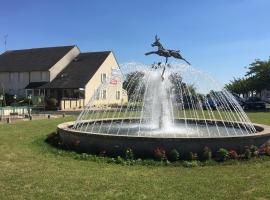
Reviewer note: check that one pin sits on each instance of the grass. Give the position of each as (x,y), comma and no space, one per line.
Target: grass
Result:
(31,169)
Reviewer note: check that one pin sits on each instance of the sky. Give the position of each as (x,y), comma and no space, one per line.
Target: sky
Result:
(220,37)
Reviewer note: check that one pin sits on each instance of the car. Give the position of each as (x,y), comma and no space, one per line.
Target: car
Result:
(239,99)
(254,103)
(210,103)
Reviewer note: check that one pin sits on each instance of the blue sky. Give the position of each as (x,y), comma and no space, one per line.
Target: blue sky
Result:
(217,36)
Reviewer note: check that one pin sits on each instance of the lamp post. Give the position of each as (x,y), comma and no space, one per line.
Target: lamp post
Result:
(29,99)
(15,97)
(2,100)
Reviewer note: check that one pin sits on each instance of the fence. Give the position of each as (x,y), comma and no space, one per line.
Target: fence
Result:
(13,110)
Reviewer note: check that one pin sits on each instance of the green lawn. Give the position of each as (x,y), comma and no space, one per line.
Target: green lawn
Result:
(30,169)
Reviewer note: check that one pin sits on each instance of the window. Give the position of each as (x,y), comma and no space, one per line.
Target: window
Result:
(117,95)
(103,94)
(43,76)
(97,94)
(103,78)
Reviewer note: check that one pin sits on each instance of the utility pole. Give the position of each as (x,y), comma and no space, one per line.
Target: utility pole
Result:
(5,41)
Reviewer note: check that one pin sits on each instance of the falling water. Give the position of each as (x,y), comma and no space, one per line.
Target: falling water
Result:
(184,102)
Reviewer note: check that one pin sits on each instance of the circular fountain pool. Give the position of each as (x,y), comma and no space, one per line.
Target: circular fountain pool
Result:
(180,128)
(143,144)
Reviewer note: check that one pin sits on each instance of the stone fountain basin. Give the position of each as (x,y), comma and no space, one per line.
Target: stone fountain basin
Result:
(143,146)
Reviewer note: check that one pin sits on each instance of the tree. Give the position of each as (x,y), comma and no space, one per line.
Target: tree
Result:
(259,75)
(183,91)
(256,79)
(134,85)
(240,86)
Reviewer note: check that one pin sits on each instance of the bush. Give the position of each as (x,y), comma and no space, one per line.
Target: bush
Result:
(193,156)
(233,155)
(193,163)
(102,153)
(51,103)
(174,155)
(160,154)
(222,154)
(247,153)
(264,150)
(254,151)
(129,155)
(119,160)
(207,153)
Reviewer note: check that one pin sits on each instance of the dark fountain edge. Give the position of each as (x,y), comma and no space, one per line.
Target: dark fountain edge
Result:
(144,146)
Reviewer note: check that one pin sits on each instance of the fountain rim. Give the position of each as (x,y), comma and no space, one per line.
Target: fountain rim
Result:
(261,129)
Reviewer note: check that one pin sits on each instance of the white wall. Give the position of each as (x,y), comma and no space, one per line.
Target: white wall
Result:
(107,66)
(15,82)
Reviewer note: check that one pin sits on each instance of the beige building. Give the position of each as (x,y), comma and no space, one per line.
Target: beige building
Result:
(63,73)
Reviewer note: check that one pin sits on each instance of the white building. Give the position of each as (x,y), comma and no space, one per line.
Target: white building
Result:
(64,73)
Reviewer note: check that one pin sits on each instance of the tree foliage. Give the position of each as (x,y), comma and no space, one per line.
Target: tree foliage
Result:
(256,79)
(134,85)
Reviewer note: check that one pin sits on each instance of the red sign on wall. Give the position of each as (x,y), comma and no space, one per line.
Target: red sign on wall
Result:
(113,82)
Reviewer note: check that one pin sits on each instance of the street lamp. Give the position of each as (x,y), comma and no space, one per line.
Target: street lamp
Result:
(2,100)
(14,104)
(29,99)
(15,97)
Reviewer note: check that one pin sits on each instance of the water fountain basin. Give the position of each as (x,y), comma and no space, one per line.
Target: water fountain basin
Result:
(143,145)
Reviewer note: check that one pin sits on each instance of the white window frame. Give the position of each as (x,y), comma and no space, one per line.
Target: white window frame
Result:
(118,94)
(104,94)
(103,77)
(97,94)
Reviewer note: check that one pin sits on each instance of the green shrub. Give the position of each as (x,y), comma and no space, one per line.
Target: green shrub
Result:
(129,155)
(193,156)
(247,153)
(119,160)
(193,163)
(160,154)
(207,153)
(254,151)
(173,155)
(51,103)
(222,154)
(102,153)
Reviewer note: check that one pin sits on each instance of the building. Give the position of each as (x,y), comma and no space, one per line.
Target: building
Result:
(64,73)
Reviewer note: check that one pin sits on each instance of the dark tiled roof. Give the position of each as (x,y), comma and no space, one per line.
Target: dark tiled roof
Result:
(78,73)
(37,59)
(34,85)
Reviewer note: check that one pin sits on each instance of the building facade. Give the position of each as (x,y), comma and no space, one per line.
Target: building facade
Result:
(64,73)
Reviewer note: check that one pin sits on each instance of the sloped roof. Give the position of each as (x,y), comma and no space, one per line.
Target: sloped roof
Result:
(37,59)
(78,73)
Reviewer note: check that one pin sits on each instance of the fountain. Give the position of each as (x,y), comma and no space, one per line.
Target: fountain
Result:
(171,105)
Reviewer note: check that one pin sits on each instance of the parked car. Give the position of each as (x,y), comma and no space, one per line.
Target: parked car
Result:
(240,100)
(210,103)
(254,103)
